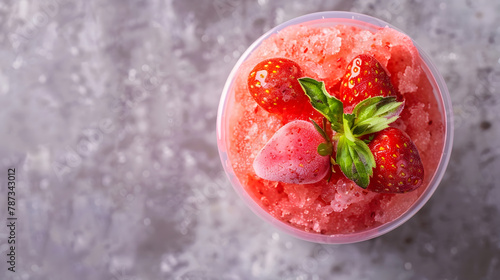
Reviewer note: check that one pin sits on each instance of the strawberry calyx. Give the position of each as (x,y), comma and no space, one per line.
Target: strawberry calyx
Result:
(325,148)
(369,116)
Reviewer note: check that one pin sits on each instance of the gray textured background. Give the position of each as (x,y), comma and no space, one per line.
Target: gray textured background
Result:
(108,115)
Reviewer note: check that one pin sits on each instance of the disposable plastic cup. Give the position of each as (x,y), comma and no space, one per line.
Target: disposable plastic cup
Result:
(440,91)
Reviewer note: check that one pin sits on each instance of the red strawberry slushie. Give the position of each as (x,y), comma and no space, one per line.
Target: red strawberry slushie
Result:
(323,49)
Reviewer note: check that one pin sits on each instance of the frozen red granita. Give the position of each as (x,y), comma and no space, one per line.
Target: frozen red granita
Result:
(334,127)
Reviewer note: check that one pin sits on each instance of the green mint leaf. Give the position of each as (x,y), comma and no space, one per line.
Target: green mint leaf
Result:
(350,118)
(356,160)
(367,107)
(390,109)
(348,122)
(325,149)
(374,114)
(327,105)
(344,158)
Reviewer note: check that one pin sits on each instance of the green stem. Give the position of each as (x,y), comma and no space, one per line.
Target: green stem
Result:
(347,131)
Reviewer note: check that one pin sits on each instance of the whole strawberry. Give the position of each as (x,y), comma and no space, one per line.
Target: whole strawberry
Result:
(291,156)
(364,78)
(273,85)
(398,166)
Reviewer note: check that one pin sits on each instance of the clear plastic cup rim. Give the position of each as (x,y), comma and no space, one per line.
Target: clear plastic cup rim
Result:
(444,102)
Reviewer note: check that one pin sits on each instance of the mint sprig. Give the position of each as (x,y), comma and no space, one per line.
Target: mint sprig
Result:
(327,105)
(369,116)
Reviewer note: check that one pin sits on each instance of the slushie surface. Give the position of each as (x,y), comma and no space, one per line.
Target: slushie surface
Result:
(338,206)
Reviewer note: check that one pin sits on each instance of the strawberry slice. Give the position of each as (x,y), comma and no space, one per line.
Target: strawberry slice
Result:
(291,156)
(273,85)
(399,168)
(364,78)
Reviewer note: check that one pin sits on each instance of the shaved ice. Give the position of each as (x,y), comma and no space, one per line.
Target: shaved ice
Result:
(337,206)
